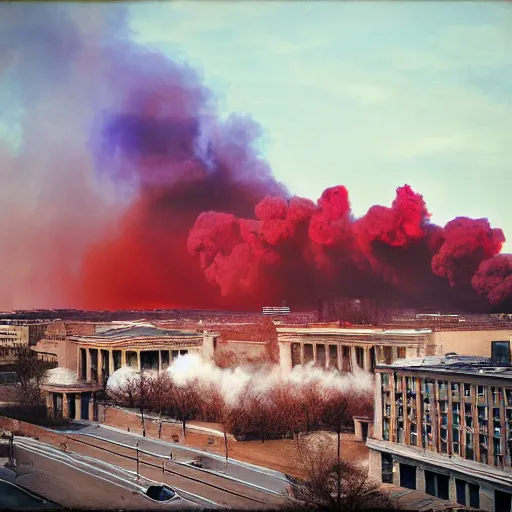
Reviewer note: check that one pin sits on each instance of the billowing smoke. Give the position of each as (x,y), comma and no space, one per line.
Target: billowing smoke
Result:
(232,382)
(124,189)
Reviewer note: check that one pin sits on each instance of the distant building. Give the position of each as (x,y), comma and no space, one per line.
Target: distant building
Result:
(15,334)
(330,345)
(443,425)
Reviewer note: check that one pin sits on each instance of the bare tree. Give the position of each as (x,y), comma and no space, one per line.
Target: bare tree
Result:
(158,389)
(185,400)
(284,398)
(218,407)
(318,467)
(261,414)
(31,373)
(310,400)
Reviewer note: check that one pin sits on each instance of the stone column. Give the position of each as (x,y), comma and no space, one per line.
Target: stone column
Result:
(341,358)
(78,406)
(160,361)
(49,404)
(353,358)
(65,406)
(78,362)
(285,357)
(88,376)
(123,358)
(366,359)
(91,407)
(139,361)
(111,366)
(394,354)
(100,366)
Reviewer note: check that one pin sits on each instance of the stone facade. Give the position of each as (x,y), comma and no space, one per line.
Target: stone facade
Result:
(445,429)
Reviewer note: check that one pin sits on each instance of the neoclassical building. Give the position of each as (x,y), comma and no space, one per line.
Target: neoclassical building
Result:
(88,358)
(346,348)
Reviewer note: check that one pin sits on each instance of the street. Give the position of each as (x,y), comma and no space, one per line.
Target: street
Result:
(267,480)
(104,475)
(74,481)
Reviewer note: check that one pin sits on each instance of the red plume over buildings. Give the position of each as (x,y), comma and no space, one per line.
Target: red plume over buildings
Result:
(141,196)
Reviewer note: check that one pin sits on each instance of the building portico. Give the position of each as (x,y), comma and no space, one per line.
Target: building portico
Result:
(140,347)
(345,349)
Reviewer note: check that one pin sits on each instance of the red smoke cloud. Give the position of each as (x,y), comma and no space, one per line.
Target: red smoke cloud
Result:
(128,191)
(389,252)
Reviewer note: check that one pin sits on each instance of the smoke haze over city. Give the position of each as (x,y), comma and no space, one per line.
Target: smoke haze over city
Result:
(126,188)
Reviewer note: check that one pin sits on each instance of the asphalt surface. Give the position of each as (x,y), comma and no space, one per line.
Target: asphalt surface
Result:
(75,481)
(265,479)
(107,463)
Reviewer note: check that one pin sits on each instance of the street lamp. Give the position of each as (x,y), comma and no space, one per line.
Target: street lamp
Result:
(137,452)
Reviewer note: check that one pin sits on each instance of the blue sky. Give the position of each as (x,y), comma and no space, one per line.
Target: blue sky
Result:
(371,95)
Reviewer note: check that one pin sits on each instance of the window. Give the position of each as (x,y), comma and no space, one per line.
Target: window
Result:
(437,485)
(401,352)
(387,468)
(484,443)
(320,356)
(502,501)
(467,494)
(408,476)
(308,353)
(333,356)
(295,354)
(469,446)
(360,357)
(500,353)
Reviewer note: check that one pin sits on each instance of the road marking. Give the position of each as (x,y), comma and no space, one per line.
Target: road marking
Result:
(63,461)
(161,456)
(62,456)
(247,465)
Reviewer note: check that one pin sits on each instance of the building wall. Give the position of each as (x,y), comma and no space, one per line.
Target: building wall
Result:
(374,466)
(423,464)
(476,404)
(243,349)
(475,343)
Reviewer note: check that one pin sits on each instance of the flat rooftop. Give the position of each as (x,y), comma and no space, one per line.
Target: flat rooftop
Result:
(451,364)
(126,331)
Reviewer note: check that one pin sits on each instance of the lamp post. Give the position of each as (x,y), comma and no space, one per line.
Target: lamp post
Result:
(137,452)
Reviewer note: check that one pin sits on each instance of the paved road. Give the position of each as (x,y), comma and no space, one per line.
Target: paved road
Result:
(207,488)
(75,481)
(265,479)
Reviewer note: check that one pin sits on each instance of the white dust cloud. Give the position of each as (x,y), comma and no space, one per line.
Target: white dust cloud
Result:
(234,381)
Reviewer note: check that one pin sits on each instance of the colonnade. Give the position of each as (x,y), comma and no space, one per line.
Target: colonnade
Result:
(127,357)
(344,357)
(51,404)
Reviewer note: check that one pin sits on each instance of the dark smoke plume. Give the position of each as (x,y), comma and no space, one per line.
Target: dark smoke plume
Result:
(127,190)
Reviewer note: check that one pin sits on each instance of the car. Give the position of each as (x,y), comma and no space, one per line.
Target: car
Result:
(161,493)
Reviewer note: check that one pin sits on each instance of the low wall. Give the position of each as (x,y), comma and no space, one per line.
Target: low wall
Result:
(30,430)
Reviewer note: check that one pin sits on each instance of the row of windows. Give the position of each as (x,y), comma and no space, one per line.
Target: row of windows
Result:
(437,484)
(470,421)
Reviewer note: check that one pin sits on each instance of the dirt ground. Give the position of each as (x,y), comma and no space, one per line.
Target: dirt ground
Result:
(275,454)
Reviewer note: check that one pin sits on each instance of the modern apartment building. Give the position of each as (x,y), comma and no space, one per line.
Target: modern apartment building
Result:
(443,425)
